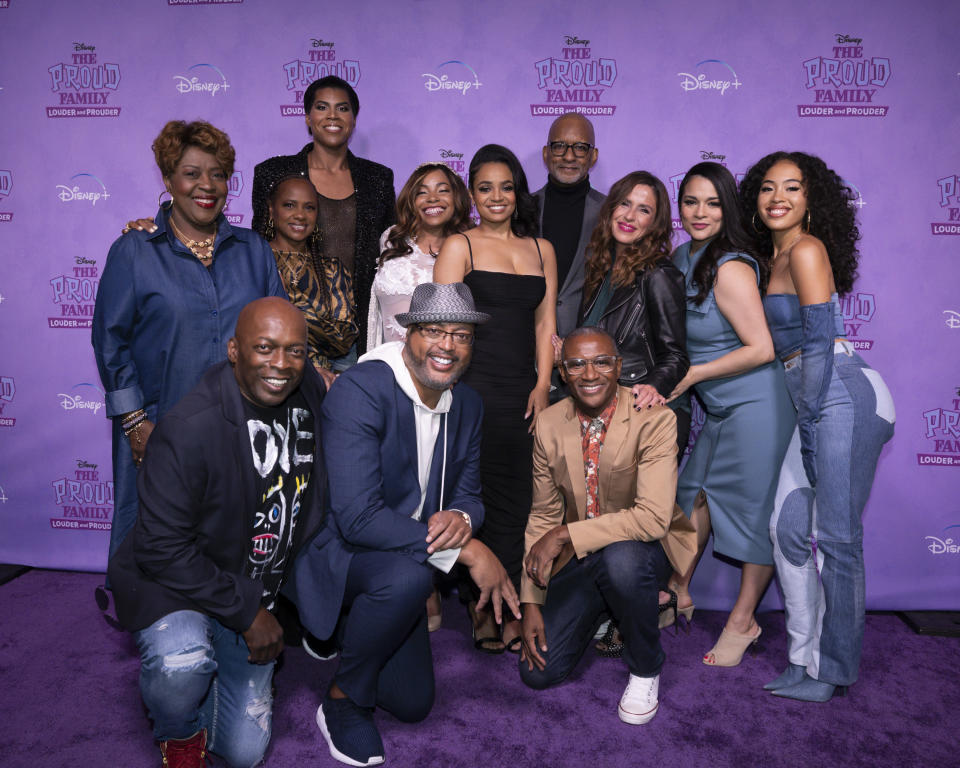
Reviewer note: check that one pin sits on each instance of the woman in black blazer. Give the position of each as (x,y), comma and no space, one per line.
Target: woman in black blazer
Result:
(357,199)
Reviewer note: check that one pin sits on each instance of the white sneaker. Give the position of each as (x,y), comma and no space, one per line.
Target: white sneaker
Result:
(639,702)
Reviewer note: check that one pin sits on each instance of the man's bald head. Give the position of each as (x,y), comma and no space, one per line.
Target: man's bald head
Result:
(571,129)
(268,350)
(574,121)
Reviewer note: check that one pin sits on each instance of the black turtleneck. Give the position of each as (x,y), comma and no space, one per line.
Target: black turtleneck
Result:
(562,220)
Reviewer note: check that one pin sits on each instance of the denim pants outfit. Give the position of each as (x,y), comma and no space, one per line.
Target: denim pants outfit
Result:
(818,533)
(194,674)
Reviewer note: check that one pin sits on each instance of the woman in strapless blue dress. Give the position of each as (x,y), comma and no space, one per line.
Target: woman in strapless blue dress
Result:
(513,277)
(808,235)
(728,483)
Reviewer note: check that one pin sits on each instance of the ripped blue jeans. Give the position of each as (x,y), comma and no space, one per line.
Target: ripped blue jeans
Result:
(194,674)
(818,534)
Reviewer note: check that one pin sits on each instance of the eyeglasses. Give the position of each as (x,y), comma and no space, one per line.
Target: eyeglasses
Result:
(559,148)
(601,364)
(434,334)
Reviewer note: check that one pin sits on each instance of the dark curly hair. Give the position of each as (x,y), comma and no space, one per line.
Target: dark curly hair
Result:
(732,237)
(408,220)
(525,221)
(651,247)
(177,135)
(832,219)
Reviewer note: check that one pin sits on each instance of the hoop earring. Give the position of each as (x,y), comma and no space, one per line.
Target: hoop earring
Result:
(753,221)
(806,226)
(270,231)
(161,201)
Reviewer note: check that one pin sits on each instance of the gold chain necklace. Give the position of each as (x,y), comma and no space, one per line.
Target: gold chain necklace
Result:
(293,267)
(196,247)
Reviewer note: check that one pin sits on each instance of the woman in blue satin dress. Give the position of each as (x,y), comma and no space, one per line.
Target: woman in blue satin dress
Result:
(808,235)
(729,480)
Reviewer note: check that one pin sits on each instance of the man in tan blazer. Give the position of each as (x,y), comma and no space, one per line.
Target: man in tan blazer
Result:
(604,530)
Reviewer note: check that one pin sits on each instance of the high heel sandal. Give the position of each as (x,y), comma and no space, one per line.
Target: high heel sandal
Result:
(730,648)
(610,646)
(686,612)
(668,611)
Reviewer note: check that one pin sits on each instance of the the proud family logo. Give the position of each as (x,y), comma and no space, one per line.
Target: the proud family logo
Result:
(82,398)
(944,544)
(941,429)
(234,189)
(710,75)
(321,60)
(858,310)
(85,501)
(83,85)
(453,75)
(455,162)
(845,83)
(948,195)
(83,188)
(202,78)
(8,388)
(6,187)
(576,81)
(74,294)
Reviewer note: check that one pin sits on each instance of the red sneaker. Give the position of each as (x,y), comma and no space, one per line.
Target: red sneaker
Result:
(186,753)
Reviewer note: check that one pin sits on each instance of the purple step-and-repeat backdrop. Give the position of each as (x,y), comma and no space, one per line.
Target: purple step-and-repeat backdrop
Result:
(873,86)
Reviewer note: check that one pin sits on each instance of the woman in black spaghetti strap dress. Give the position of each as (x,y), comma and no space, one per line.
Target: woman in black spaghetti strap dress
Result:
(513,277)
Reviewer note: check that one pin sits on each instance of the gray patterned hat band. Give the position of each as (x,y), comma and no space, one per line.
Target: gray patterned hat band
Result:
(441,303)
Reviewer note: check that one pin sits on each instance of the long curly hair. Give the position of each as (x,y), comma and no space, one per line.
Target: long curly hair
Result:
(653,246)
(732,237)
(832,219)
(526,219)
(408,220)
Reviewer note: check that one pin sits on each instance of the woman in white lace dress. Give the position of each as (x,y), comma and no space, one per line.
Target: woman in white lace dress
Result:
(433,204)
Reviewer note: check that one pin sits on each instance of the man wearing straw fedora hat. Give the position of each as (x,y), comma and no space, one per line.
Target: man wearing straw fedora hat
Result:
(401,444)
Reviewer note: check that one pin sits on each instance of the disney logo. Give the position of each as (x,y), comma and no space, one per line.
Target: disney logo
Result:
(700,83)
(73,402)
(69,194)
(81,464)
(84,47)
(574,40)
(953,319)
(83,260)
(444,83)
(194,85)
(942,547)
(320,43)
(706,154)
(848,39)
(445,153)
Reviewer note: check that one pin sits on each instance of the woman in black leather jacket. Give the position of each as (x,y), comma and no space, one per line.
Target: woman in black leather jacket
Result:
(634,292)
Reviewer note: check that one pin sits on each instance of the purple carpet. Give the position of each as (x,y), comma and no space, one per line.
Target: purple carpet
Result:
(70,698)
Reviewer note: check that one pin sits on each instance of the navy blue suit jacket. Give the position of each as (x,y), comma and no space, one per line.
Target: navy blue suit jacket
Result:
(369,446)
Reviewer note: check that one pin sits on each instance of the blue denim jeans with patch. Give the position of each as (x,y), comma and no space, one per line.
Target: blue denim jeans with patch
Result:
(818,533)
(194,674)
